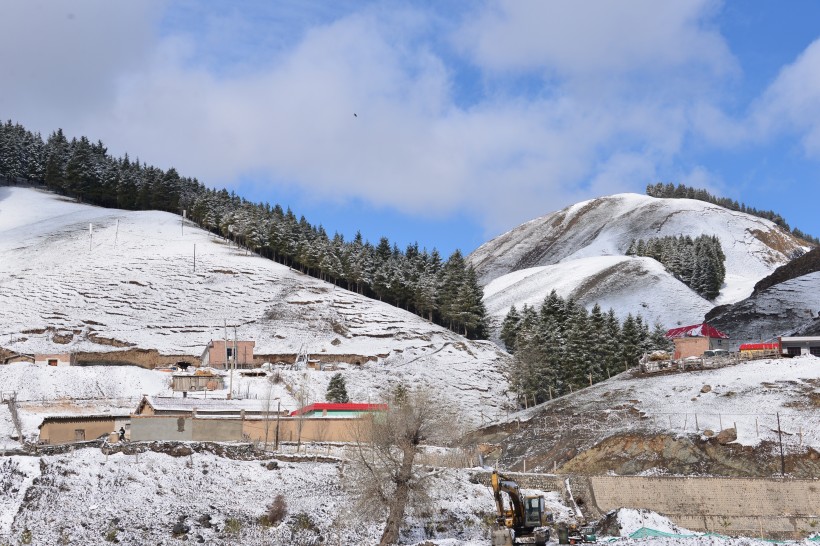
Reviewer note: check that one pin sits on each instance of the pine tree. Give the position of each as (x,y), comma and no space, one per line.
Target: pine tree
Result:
(509,329)
(337,390)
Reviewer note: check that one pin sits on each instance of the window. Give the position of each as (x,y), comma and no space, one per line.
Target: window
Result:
(230,352)
(79,434)
(52,361)
(793,351)
(815,350)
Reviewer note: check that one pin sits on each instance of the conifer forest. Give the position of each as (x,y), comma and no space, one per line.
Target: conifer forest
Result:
(443,291)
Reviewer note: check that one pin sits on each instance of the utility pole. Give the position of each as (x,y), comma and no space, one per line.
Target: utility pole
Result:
(227,363)
(90,235)
(278,415)
(117,232)
(780,439)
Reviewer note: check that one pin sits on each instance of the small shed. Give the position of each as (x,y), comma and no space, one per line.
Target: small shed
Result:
(55,359)
(694,340)
(199,381)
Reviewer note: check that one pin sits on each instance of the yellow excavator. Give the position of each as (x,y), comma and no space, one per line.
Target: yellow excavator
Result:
(523,519)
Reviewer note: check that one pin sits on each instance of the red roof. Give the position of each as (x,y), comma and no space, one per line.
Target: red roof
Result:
(696,330)
(350,406)
(759,346)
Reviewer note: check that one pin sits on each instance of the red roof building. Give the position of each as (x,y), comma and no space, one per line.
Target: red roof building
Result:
(696,330)
(760,347)
(694,340)
(328,409)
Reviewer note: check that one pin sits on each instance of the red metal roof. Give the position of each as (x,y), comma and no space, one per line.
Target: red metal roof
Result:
(350,406)
(696,330)
(759,346)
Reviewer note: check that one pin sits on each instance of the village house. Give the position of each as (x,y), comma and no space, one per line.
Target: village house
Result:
(64,429)
(694,340)
(219,420)
(57,359)
(224,354)
(800,345)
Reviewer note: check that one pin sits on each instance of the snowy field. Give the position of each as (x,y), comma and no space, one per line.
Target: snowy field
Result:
(86,497)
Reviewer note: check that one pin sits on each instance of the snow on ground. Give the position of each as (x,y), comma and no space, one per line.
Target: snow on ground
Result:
(749,395)
(134,280)
(86,497)
(640,286)
(630,520)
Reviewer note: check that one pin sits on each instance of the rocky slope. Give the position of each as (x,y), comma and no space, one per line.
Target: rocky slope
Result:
(779,310)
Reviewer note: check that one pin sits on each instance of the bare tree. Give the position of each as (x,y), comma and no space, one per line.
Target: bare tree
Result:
(384,476)
(303,396)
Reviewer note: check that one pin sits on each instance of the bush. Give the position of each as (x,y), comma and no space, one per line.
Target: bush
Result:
(233,526)
(277,510)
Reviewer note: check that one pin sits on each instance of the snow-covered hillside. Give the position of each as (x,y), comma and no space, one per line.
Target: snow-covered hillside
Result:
(143,279)
(754,247)
(661,418)
(626,284)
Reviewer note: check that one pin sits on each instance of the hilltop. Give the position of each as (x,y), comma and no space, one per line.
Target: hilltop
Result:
(581,252)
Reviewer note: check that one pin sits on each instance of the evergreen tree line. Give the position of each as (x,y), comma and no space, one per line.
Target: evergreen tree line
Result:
(698,263)
(444,292)
(682,191)
(557,348)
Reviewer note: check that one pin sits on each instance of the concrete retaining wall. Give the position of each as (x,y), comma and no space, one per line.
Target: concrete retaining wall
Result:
(771,508)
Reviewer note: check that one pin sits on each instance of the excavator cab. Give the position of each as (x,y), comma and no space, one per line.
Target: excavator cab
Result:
(534,511)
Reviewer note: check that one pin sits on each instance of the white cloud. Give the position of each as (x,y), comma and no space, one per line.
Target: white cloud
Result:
(61,60)
(578,39)
(411,147)
(792,102)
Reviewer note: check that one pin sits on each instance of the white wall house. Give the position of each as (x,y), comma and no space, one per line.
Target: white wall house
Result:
(803,345)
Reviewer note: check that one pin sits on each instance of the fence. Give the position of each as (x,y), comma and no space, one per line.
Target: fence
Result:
(690,364)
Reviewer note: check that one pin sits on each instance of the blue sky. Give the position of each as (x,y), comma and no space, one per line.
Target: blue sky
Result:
(471,118)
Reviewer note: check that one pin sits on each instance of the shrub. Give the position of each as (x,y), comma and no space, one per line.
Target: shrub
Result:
(233,526)
(277,510)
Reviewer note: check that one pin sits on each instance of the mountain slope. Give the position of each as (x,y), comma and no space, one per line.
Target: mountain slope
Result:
(626,284)
(142,280)
(605,227)
(778,310)
(634,424)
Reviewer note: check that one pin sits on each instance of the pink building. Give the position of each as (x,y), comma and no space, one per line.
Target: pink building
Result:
(221,354)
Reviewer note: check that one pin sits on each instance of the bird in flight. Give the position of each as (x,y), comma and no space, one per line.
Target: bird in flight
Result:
(354,115)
